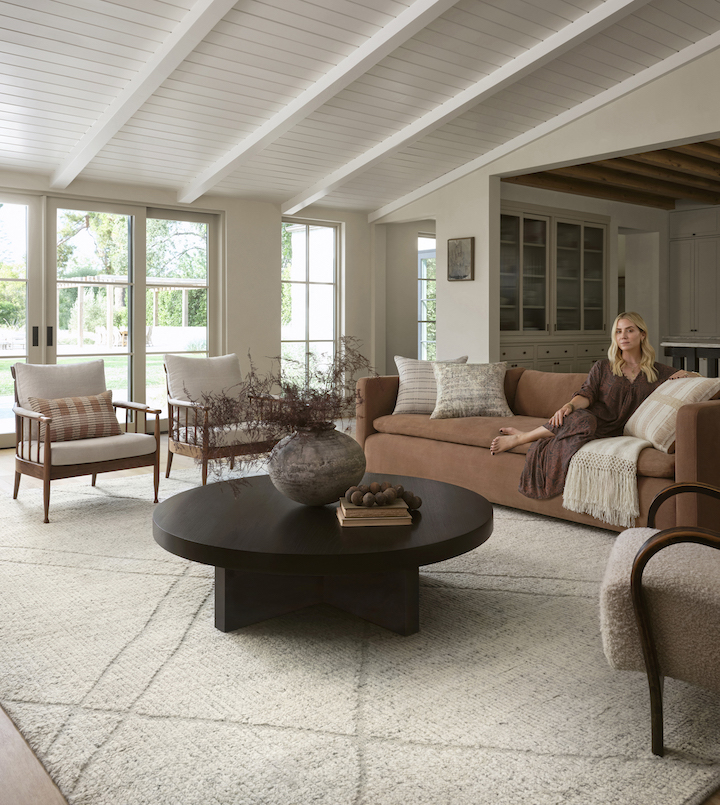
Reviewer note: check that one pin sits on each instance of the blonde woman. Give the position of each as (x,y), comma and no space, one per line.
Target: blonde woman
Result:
(612,392)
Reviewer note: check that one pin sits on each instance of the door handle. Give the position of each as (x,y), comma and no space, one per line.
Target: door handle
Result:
(36,336)
(49,336)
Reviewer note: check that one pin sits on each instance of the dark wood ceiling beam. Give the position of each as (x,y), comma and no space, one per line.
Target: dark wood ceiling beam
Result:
(700,150)
(614,178)
(679,162)
(549,181)
(644,169)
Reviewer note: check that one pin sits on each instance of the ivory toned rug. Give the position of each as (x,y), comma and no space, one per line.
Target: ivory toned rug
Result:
(112,668)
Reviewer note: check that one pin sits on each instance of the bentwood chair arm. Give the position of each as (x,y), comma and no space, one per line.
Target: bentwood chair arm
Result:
(27,414)
(187,404)
(676,489)
(651,547)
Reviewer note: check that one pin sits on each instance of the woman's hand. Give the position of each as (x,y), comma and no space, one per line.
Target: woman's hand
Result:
(557,418)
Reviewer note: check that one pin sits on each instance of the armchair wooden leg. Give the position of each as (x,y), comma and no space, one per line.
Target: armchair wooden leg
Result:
(169,463)
(204,471)
(46,498)
(17,484)
(94,478)
(156,476)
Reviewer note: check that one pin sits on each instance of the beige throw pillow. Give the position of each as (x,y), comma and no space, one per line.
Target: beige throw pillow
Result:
(417,392)
(656,418)
(78,417)
(474,389)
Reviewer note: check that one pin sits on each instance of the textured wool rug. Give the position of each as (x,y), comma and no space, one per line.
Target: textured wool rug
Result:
(113,670)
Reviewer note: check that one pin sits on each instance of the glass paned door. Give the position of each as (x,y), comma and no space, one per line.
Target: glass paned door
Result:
(534,287)
(593,286)
(176,297)
(580,286)
(427,299)
(568,278)
(523,272)
(13,303)
(93,282)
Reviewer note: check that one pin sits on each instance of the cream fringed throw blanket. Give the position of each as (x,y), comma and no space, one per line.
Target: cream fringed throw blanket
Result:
(602,480)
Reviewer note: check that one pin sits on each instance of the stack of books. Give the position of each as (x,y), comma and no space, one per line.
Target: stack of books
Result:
(395,513)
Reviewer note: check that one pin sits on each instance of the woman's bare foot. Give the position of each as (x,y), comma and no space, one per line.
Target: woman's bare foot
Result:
(510,431)
(502,443)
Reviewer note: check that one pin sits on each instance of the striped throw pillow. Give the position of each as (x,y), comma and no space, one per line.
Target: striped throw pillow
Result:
(656,418)
(417,392)
(78,417)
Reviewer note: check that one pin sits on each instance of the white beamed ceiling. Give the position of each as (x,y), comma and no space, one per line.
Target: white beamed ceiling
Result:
(64,64)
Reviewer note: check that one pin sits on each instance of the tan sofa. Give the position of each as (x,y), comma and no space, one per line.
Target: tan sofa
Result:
(458,450)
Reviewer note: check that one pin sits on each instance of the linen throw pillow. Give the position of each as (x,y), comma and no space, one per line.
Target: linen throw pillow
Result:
(78,417)
(474,389)
(417,392)
(656,418)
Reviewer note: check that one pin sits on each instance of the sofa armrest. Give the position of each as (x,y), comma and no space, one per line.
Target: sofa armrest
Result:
(376,397)
(697,447)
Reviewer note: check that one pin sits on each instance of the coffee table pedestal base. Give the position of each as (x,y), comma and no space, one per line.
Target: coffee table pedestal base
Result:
(390,600)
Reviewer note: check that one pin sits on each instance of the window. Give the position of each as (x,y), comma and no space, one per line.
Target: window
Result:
(309,297)
(426,298)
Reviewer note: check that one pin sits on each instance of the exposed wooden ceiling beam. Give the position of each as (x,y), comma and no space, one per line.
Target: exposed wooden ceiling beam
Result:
(656,172)
(679,162)
(187,35)
(377,47)
(615,178)
(554,46)
(700,150)
(550,181)
(683,57)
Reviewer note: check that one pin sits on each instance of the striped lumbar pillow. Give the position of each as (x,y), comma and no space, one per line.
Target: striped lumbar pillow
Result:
(417,392)
(656,418)
(78,417)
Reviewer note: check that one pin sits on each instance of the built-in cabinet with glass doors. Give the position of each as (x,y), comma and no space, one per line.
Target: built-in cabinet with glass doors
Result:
(552,290)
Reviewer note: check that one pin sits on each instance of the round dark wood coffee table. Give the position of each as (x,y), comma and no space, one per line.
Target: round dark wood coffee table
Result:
(273,556)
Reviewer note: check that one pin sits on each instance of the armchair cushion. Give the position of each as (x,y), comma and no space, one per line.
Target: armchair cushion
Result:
(681,587)
(78,417)
(191,378)
(103,448)
(51,382)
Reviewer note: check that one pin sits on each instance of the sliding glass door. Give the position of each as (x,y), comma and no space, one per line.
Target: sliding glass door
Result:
(123,283)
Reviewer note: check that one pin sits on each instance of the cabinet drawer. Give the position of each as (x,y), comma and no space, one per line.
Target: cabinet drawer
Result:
(556,351)
(561,365)
(526,353)
(524,364)
(595,351)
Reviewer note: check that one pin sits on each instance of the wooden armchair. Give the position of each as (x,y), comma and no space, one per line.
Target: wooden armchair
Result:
(66,426)
(660,604)
(190,431)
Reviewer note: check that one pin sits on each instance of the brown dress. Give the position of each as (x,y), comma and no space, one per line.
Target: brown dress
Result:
(613,400)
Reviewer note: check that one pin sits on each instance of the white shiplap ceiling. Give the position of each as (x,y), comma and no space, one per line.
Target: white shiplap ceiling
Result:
(360,104)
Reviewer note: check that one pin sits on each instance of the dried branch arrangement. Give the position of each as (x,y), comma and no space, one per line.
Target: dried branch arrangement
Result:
(269,406)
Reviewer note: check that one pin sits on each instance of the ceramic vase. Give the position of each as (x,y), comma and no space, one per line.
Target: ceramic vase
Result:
(316,466)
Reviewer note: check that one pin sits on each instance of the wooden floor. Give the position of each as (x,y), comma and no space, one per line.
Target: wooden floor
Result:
(24,780)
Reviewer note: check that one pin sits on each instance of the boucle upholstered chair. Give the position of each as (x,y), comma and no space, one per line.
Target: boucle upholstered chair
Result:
(65,426)
(660,605)
(190,381)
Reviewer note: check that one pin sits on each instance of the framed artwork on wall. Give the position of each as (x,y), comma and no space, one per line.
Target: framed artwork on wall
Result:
(461,259)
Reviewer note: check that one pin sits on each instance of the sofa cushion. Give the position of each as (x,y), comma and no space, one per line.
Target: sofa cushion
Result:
(473,389)
(656,418)
(542,393)
(417,392)
(480,431)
